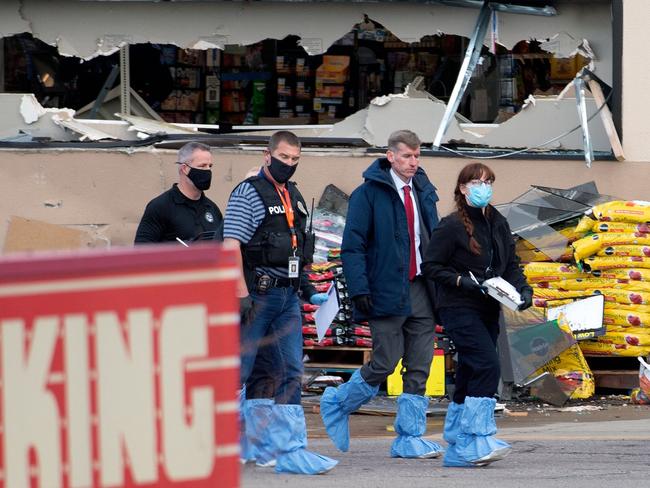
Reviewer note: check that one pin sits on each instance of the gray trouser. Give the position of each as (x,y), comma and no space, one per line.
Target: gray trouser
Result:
(407,338)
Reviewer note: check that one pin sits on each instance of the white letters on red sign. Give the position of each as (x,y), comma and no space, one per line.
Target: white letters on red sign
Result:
(125,401)
(31,416)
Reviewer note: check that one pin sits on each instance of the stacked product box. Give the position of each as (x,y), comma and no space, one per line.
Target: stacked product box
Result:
(285,91)
(331,77)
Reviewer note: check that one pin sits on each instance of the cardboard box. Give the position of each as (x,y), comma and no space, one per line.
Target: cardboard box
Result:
(563,68)
(24,235)
(330,91)
(335,69)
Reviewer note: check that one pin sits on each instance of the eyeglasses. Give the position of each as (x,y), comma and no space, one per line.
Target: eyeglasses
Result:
(479,182)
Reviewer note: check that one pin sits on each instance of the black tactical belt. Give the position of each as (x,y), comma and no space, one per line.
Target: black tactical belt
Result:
(265,282)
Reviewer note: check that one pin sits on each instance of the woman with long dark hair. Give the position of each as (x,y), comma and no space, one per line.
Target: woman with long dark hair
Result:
(471,245)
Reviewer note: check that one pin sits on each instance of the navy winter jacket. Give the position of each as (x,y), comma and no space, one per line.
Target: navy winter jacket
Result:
(376,246)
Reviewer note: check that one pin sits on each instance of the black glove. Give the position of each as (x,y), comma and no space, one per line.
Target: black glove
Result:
(363,303)
(468,285)
(527,297)
(246,310)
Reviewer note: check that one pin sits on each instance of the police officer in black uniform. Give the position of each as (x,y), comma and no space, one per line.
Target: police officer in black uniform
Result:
(184,212)
(267,218)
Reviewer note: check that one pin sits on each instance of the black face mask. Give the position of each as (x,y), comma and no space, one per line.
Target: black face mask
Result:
(200,177)
(280,171)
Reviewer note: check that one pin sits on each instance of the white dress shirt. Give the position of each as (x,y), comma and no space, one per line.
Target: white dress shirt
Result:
(399,184)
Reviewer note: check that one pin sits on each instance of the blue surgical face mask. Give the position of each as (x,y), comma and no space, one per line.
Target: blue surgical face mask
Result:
(480,195)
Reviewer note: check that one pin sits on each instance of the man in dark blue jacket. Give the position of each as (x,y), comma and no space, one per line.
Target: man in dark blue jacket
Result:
(389,223)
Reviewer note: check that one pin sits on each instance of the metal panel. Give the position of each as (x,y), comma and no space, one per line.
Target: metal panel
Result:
(466,70)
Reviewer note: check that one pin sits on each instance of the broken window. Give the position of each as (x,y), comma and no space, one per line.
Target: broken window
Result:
(358,82)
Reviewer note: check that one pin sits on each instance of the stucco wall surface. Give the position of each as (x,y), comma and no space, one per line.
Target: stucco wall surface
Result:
(107,190)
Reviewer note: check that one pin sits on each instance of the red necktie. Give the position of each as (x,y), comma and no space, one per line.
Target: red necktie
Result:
(410,221)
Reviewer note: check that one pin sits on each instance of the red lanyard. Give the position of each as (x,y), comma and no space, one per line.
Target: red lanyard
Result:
(283,193)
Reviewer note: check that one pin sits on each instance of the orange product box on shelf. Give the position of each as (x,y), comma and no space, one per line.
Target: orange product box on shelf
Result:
(329,91)
(334,69)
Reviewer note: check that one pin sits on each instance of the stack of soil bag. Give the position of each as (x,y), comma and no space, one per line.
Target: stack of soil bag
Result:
(610,252)
(343,331)
(616,250)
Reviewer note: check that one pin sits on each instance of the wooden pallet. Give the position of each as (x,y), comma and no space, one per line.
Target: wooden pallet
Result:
(336,358)
(614,372)
(620,379)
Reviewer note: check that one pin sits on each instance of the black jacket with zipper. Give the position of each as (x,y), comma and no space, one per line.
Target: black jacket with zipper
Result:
(449,256)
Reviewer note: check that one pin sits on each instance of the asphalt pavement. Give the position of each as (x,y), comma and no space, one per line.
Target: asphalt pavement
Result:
(574,454)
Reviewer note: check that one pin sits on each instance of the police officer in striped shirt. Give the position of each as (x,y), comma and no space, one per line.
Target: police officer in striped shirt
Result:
(267,217)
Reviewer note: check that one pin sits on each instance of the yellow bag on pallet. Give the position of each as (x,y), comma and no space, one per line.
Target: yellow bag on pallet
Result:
(633,297)
(638,274)
(571,368)
(579,284)
(627,307)
(552,294)
(536,272)
(590,245)
(628,318)
(633,285)
(620,227)
(585,225)
(611,262)
(596,348)
(625,250)
(537,256)
(623,211)
(543,303)
(632,338)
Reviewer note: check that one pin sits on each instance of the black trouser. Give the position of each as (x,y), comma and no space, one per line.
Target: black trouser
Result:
(475,336)
(407,338)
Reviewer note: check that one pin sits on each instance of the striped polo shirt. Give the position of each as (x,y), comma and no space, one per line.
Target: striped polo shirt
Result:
(244,214)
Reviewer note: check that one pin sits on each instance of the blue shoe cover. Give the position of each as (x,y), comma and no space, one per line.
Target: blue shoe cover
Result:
(478,416)
(452,459)
(246,449)
(289,434)
(258,418)
(410,425)
(303,461)
(477,448)
(452,422)
(475,444)
(337,404)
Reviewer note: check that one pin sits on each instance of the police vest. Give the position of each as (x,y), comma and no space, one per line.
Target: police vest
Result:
(271,243)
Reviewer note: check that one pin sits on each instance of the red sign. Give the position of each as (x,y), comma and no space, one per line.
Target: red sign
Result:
(119,368)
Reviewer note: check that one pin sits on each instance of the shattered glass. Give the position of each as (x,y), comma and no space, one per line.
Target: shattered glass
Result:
(532,214)
(532,343)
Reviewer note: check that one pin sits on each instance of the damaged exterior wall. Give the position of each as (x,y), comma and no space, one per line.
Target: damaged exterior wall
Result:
(636,80)
(110,189)
(90,28)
